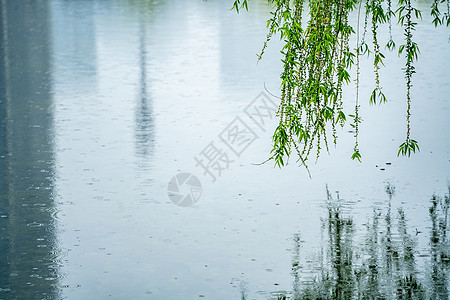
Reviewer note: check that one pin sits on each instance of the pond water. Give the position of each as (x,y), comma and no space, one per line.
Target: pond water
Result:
(104,102)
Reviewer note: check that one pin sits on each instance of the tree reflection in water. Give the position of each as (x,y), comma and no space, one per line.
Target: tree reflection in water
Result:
(384,265)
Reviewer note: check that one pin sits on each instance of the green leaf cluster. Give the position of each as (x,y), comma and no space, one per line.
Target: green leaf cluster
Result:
(317,60)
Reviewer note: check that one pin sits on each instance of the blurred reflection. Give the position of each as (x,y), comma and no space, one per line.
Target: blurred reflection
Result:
(440,247)
(383,266)
(75,45)
(144,115)
(28,268)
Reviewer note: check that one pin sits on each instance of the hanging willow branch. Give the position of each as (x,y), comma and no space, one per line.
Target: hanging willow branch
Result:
(317,60)
(356,118)
(411,50)
(378,17)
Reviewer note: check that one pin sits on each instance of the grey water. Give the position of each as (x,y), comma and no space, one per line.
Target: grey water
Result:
(103,103)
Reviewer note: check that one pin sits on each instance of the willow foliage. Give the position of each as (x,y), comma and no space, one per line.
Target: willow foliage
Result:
(317,59)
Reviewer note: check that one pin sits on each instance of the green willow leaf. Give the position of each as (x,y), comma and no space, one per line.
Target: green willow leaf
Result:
(318,60)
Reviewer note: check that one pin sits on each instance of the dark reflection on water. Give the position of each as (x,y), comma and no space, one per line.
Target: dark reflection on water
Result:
(440,248)
(383,265)
(144,115)
(28,268)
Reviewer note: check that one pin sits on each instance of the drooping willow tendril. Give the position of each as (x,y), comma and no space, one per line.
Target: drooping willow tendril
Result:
(356,120)
(378,17)
(436,13)
(389,13)
(316,64)
(411,50)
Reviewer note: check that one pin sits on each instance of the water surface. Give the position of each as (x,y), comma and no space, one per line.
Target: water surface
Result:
(103,102)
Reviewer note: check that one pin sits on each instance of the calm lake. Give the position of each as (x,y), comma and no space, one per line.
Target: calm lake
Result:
(122,175)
